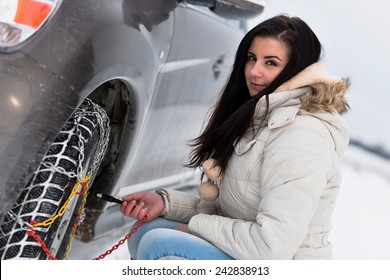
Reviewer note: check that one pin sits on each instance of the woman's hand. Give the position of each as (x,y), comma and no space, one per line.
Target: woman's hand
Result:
(138,205)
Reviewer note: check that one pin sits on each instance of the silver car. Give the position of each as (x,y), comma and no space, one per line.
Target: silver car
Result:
(102,96)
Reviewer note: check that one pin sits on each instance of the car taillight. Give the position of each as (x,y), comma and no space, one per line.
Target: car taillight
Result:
(19,19)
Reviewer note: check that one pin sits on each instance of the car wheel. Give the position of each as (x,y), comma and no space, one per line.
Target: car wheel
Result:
(53,200)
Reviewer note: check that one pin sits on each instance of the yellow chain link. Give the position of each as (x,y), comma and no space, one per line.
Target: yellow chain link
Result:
(76,187)
(74,228)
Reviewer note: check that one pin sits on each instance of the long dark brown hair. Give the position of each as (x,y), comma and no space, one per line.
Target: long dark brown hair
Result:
(233,113)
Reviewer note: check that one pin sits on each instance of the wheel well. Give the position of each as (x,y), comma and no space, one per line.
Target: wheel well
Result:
(117,99)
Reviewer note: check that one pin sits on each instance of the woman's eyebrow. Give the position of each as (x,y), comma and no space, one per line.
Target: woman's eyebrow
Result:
(272,56)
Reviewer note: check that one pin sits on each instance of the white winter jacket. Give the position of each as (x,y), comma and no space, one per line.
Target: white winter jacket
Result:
(279,190)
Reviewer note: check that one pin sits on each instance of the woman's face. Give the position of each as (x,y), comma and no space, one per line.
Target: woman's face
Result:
(266,58)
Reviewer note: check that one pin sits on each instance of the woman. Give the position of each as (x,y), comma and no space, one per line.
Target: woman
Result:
(276,139)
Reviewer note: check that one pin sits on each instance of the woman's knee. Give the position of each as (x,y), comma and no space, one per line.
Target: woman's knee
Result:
(165,243)
(158,243)
(133,242)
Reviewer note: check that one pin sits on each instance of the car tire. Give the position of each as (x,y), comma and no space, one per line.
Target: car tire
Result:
(75,153)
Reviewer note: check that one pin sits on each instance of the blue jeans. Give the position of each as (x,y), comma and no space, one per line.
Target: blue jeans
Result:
(158,239)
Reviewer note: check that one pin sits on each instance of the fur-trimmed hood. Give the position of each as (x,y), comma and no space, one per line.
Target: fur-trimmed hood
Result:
(328,92)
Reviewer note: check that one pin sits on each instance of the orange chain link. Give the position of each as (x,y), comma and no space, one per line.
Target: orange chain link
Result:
(140,224)
(34,234)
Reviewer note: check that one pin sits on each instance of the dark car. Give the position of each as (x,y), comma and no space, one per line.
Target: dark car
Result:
(102,96)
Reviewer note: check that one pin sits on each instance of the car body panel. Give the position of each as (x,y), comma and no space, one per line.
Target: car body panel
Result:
(30,120)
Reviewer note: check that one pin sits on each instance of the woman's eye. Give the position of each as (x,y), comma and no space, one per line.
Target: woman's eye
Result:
(271,63)
(251,57)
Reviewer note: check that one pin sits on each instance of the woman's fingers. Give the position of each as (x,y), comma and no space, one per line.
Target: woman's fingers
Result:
(127,207)
(138,205)
(143,213)
(137,209)
(134,210)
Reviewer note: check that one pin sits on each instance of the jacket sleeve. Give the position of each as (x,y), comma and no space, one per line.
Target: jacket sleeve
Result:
(294,174)
(182,206)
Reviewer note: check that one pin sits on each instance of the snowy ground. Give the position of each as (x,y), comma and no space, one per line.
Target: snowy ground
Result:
(361,224)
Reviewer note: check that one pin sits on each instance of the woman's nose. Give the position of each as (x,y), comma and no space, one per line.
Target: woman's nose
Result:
(257,71)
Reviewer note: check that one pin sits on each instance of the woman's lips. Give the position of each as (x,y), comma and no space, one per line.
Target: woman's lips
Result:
(257,87)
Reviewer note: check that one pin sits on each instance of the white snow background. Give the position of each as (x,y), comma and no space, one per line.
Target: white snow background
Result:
(356,44)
